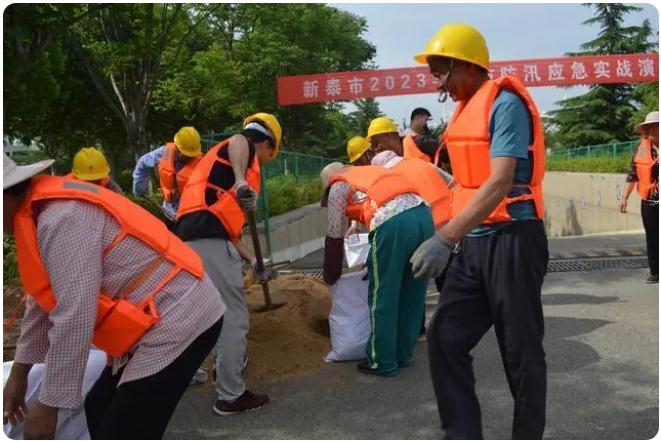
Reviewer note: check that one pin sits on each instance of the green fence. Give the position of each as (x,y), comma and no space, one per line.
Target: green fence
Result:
(287,164)
(612,150)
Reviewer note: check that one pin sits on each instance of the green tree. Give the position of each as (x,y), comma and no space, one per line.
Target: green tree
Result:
(604,113)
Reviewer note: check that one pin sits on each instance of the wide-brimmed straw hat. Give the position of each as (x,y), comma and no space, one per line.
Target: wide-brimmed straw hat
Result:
(651,118)
(14,174)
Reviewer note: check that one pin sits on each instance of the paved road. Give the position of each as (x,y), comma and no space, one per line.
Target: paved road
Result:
(559,248)
(602,352)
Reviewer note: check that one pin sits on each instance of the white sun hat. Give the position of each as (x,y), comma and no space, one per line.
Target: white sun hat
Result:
(651,118)
(13,174)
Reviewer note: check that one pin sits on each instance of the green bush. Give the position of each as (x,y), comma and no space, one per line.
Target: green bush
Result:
(589,164)
(287,193)
(9,266)
(125,180)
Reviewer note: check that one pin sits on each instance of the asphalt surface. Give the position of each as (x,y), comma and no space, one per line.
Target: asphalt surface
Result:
(602,353)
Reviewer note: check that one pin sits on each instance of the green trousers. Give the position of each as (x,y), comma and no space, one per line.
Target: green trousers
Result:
(396,299)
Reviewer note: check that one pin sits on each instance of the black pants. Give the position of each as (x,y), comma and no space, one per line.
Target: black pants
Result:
(492,280)
(650,214)
(141,409)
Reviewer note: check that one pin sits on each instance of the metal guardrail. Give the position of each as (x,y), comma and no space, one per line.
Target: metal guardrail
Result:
(612,150)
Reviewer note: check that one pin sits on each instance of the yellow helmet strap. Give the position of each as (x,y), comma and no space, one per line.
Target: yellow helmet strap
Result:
(445,90)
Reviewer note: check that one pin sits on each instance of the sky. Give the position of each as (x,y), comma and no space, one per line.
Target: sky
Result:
(512,31)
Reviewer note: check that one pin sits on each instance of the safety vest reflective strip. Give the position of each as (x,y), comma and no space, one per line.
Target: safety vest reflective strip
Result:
(226,208)
(133,220)
(469,141)
(644,163)
(382,184)
(168,175)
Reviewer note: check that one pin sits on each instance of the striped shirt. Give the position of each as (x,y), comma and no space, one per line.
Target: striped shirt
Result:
(72,236)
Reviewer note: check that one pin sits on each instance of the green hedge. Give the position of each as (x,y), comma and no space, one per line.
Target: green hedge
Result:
(287,193)
(589,164)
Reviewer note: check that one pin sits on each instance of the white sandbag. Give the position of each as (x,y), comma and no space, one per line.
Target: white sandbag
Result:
(356,248)
(71,423)
(349,318)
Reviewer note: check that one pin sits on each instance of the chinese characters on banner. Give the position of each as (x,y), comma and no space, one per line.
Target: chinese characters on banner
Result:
(623,68)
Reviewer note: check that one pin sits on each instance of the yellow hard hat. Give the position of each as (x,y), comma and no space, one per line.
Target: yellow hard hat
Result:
(381,125)
(187,140)
(356,147)
(459,41)
(272,125)
(89,164)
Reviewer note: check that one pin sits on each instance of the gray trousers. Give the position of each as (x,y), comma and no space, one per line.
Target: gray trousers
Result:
(223,264)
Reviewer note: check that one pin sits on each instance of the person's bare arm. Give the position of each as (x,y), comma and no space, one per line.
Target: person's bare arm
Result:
(488,196)
(239,152)
(627,194)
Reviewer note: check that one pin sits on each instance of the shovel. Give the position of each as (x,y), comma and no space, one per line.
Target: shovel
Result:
(268,305)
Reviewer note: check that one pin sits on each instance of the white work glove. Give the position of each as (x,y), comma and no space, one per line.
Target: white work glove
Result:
(246,196)
(265,275)
(431,257)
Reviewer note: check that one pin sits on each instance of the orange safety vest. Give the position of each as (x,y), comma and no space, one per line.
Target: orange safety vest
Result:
(226,208)
(644,162)
(167,174)
(468,142)
(382,184)
(119,324)
(411,150)
(103,183)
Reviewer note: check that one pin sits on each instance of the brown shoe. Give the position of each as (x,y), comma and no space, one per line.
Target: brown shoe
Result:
(246,402)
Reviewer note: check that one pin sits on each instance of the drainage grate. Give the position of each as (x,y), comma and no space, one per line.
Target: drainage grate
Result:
(310,273)
(555,266)
(584,265)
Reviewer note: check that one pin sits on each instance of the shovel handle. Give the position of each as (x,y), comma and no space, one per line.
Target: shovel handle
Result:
(258,256)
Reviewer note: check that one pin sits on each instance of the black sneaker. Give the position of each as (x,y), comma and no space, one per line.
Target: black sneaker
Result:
(246,402)
(652,279)
(364,367)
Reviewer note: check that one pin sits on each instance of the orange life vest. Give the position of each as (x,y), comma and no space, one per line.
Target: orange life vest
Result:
(167,174)
(382,184)
(103,183)
(119,324)
(226,208)
(468,142)
(411,150)
(644,163)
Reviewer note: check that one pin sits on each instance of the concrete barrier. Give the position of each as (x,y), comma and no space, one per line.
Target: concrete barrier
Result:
(585,203)
(576,204)
(294,234)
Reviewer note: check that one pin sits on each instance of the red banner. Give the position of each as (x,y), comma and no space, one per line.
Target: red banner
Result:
(624,68)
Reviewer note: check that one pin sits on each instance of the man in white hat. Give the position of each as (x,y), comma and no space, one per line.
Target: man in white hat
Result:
(644,174)
(83,249)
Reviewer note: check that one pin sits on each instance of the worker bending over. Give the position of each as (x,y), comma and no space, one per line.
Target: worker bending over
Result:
(89,164)
(175,161)
(390,200)
(222,188)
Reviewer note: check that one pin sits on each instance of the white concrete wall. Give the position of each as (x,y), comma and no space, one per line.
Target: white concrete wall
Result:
(584,203)
(576,204)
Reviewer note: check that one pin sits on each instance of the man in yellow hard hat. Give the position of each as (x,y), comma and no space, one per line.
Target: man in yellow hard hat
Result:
(384,135)
(211,216)
(496,145)
(89,164)
(358,151)
(176,161)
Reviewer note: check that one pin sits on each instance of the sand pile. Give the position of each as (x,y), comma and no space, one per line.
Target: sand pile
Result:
(294,338)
